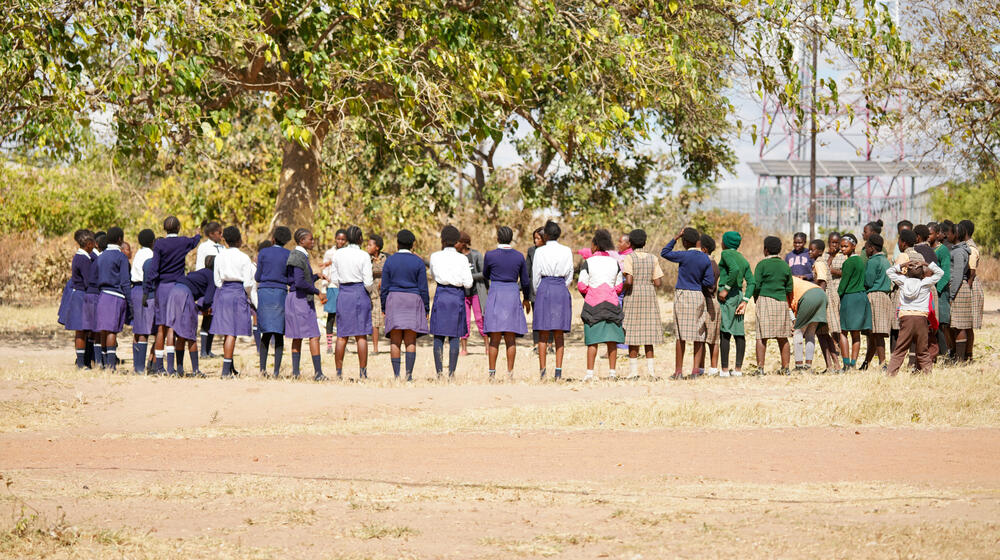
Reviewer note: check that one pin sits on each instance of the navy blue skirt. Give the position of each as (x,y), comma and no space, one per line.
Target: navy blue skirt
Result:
(64,302)
(182,313)
(354,311)
(74,316)
(553,306)
(231,311)
(90,312)
(504,312)
(300,317)
(271,310)
(142,315)
(405,312)
(448,312)
(110,312)
(160,308)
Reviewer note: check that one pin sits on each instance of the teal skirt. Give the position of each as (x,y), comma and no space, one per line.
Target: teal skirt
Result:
(604,331)
(731,322)
(855,312)
(812,308)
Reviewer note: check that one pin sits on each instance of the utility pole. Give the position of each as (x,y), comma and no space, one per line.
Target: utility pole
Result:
(812,139)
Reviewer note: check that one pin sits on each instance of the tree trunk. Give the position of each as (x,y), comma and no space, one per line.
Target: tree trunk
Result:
(298,185)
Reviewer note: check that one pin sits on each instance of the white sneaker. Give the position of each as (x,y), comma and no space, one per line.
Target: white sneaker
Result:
(724,373)
(711,372)
(736,373)
(588,377)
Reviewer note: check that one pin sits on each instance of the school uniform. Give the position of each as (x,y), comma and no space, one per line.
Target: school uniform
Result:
(403,295)
(915,304)
(114,283)
(354,279)
(712,308)
(734,271)
(330,272)
(962,314)
(551,275)
(773,281)
(375,290)
(79,278)
(642,322)
(67,291)
(978,295)
(877,287)
(506,271)
(231,305)
(91,295)
(182,309)
(272,289)
(206,249)
(142,311)
(821,272)
(166,267)
(475,297)
(300,308)
(808,305)
(694,273)
(833,295)
(942,301)
(600,283)
(855,311)
(453,276)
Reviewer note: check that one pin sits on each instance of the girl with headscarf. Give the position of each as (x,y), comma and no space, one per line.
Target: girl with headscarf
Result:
(734,272)
(506,272)
(855,310)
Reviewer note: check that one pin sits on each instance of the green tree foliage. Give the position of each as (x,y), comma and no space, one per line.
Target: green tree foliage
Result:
(977,200)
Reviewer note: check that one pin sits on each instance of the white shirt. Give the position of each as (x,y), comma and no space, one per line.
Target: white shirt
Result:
(253,290)
(330,271)
(552,259)
(352,265)
(233,265)
(600,270)
(449,267)
(139,259)
(205,249)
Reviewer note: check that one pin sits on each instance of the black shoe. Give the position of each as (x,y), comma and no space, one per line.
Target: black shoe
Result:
(198,374)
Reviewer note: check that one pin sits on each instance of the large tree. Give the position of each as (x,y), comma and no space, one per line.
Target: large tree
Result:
(438,82)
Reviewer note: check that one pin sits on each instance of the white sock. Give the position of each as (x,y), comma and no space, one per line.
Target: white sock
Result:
(590,374)
(633,366)
(157,353)
(169,349)
(651,367)
(611,373)
(712,371)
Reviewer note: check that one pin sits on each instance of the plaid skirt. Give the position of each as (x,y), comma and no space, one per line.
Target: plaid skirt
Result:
(978,301)
(713,318)
(883,312)
(378,320)
(642,316)
(962,313)
(894,317)
(832,310)
(774,319)
(689,315)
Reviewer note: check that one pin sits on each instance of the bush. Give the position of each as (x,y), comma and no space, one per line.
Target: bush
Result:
(55,201)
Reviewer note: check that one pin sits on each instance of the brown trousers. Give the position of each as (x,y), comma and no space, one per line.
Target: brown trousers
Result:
(913,330)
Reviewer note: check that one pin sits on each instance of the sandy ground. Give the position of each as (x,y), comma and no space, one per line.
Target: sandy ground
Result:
(204,468)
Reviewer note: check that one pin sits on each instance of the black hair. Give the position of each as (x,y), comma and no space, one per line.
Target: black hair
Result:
(101,238)
(818,243)
(378,240)
(876,227)
(540,232)
(850,237)
(211,227)
(602,240)
(962,231)
(405,239)
(969,226)
(922,231)
(81,236)
(833,234)
(551,230)
(115,236)
(932,226)
(301,234)
(147,237)
(264,244)
(449,236)
(505,235)
(707,243)
(946,226)
(464,237)
(355,235)
(210,262)
(908,237)
(875,240)
(340,231)
(800,235)
(772,245)
(282,235)
(232,236)
(637,238)
(904,224)
(172,224)
(690,237)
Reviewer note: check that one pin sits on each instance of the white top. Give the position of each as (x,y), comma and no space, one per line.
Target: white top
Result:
(253,290)
(330,270)
(552,259)
(451,268)
(914,293)
(233,265)
(600,270)
(139,259)
(352,265)
(205,249)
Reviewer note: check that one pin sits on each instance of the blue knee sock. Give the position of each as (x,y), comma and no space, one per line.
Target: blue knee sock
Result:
(158,360)
(454,345)
(395,367)
(256,337)
(81,358)
(194,361)
(169,353)
(265,342)
(179,358)
(227,368)
(111,357)
(296,356)
(411,359)
(318,365)
(279,351)
(438,351)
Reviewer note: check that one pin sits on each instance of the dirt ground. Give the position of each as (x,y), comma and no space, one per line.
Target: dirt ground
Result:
(100,465)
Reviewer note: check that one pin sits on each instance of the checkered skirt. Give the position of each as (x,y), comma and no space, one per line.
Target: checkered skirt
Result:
(689,315)
(894,305)
(774,319)
(713,317)
(642,322)
(962,314)
(978,301)
(883,312)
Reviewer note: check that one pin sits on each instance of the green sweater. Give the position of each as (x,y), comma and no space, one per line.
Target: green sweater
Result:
(876,280)
(733,270)
(944,261)
(852,278)
(773,278)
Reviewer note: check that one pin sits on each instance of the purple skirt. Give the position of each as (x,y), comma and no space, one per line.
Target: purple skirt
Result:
(354,311)
(553,305)
(504,312)
(448,312)
(142,315)
(300,317)
(231,311)
(160,303)
(110,312)
(74,312)
(182,313)
(64,302)
(90,312)
(405,312)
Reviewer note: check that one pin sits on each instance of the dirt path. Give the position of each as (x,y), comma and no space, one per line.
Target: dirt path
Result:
(758,456)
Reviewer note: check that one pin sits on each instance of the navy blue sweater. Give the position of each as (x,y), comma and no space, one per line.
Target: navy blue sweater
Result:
(168,258)
(271,269)
(202,285)
(407,273)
